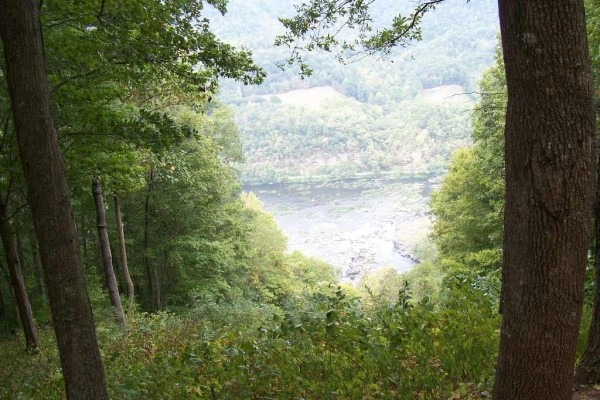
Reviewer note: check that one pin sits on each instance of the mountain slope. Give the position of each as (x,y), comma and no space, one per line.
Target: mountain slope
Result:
(404,114)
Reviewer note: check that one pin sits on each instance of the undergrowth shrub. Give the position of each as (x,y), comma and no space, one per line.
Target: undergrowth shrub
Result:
(321,346)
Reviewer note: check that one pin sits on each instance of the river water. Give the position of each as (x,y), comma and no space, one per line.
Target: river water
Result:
(357,226)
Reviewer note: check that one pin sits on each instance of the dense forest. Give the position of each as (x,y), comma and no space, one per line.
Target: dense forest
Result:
(135,267)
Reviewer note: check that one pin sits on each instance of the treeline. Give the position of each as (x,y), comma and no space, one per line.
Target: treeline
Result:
(345,139)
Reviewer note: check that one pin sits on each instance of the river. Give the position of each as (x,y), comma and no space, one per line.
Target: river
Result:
(355,225)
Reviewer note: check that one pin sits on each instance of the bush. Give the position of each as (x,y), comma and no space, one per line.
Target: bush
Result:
(322,345)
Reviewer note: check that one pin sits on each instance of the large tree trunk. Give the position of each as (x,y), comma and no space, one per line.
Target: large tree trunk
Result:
(16,280)
(49,198)
(151,272)
(588,370)
(109,273)
(550,159)
(129,290)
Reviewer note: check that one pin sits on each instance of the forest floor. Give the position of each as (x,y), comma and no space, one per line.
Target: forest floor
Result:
(586,394)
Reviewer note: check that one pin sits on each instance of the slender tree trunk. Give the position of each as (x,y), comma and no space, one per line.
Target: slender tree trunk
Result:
(49,199)
(37,267)
(2,305)
(550,172)
(83,229)
(150,269)
(15,310)
(19,243)
(129,290)
(165,261)
(109,273)
(16,280)
(14,313)
(588,370)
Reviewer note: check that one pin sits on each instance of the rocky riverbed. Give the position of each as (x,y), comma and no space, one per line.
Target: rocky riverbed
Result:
(357,226)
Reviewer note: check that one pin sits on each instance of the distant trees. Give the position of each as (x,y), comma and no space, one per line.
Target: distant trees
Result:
(468,207)
(344,138)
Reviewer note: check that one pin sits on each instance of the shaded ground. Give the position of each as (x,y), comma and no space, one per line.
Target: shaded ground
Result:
(586,394)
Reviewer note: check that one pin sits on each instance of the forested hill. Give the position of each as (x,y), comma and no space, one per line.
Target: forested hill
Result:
(402,114)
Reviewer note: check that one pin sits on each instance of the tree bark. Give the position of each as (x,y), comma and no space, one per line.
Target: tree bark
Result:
(550,172)
(129,290)
(150,269)
(16,280)
(588,369)
(109,273)
(49,199)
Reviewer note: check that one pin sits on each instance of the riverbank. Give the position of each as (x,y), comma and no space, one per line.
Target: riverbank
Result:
(356,225)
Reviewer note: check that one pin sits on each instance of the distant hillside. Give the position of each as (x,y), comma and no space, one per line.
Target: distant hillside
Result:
(403,115)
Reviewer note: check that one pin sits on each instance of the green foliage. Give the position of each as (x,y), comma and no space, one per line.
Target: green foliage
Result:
(288,142)
(329,348)
(217,123)
(318,23)
(468,207)
(309,272)
(173,38)
(132,87)
(117,69)
(426,279)
(381,288)
(592,14)
(196,233)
